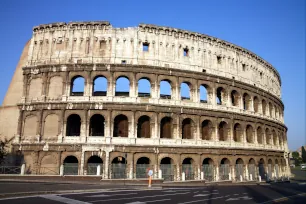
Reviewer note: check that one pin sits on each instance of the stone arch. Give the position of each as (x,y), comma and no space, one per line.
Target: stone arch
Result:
(250,133)
(235,98)
(259,135)
(275,141)
(223,131)
(99,86)
(264,107)
(35,88)
(256,104)
(187,129)
(30,126)
(97,125)
(71,165)
(73,125)
(77,86)
(207,130)
(246,101)
(185,90)
(208,161)
(204,88)
(121,126)
(167,160)
(221,96)
(144,87)
(165,89)
(144,127)
(51,128)
(270,109)
(268,136)
(225,161)
(166,125)
(122,87)
(238,132)
(55,87)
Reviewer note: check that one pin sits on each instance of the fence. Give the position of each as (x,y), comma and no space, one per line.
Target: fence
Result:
(208,171)
(262,171)
(269,171)
(168,171)
(10,169)
(142,170)
(224,172)
(92,168)
(118,171)
(239,170)
(276,171)
(188,169)
(71,169)
(252,171)
(47,170)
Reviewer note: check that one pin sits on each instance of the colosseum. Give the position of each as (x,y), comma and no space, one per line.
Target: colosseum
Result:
(90,99)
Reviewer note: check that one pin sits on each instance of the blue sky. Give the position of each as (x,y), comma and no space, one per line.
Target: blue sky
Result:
(275,30)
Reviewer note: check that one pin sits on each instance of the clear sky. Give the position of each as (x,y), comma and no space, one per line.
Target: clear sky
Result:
(273,29)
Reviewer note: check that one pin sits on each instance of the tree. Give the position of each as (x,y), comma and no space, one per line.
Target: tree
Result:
(297,158)
(303,154)
(295,155)
(3,148)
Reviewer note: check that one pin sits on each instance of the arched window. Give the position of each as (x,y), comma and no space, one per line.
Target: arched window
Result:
(122,86)
(275,140)
(73,125)
(99,86)
(270,109)
(185,91)
(165,89)
(96,126)
(238,132)
(77,86)
(203,93)
(268,136)
(264,107)
(166,127)
(187,129)
(143,127)
(71,165)
(256,104)
(222,131)
(246,102)
(235,98)
(121,126)
(207,130)
(259,135)
(249,134)
(221,96)
(144,87)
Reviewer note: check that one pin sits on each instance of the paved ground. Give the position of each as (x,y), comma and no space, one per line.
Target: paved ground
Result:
(283,192)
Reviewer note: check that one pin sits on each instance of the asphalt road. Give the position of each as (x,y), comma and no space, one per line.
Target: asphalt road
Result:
(281,192)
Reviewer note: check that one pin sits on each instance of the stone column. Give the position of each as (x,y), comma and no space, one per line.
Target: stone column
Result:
(155,88)
(133,87)
(214,95)
(217,133)
(176,89)
(82,163)
(110,84)
(106,165)
(156,126)
(217,173)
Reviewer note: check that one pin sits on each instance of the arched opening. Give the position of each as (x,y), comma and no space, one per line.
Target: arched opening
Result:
(238,133)
(249,134)
(207,130)
(121,126)
(239,170)
(73,125)
(259,135)
(142,167)
(224,170)
(235,98)
(99,87)
(276,112)
(268,136)
(275,141)
(264,107)
(252,169)
(246,102)
(276,169)
(187,129)
(122,86)
(168,169)
(185,91)
(77,86)
(144,87)
(96,126)
(71,165)
(166,127)
(270,169)
(256,104)
(119,169)
(203,93)
(143,127)
(188,169)
(165,89)
(222,131)
(94,165)
(280,140)
(270,109)
(221,96)
(261,168)
(208,169)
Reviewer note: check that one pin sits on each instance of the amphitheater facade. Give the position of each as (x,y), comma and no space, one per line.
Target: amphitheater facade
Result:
(229,126)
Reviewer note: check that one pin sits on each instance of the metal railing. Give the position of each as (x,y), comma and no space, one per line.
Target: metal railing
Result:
(118,171)
(239,170)
(10,169)
(188,169)
(92,168)
(48,170)
(208,171)
(224,172)
(71,169)
(168,171)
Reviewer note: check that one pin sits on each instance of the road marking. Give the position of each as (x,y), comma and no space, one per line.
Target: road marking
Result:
(151,201)
(240,198)
(201,195)
(196,201)
(108,195)
(153,196)
(283,198)
(62,199)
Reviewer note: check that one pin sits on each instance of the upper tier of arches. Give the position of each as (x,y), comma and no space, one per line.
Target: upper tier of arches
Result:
(153,46)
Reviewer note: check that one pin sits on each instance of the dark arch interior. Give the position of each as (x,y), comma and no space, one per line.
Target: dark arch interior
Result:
(99,86)
(121,126)
(166,160)
(252,161)
(143,127)
(71,160)
(119,160)
(222,131)
(165,128)
(187,161)
(225,161)
(96,126)
(73,125)
(239,161)
(143,160)
(95,159)
(220,91)
(187,129)
(208,161)
(206,130)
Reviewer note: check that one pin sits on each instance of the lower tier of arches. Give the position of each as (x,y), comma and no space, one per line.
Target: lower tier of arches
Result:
(171,164)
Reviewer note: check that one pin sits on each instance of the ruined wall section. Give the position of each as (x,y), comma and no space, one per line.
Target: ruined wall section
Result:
(99,42)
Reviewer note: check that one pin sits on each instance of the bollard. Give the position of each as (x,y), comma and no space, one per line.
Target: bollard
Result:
(98,170)
(183,176)
(160,175)
(202,175)
(251,177)
(62,170)
(229,177)
(240,177)
(259,178)
(22,171)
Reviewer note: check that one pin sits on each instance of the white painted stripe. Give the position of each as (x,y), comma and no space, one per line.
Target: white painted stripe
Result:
(141,197)
(62,199)
(151,201)
(196,201)
(281,198)
(108,195)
